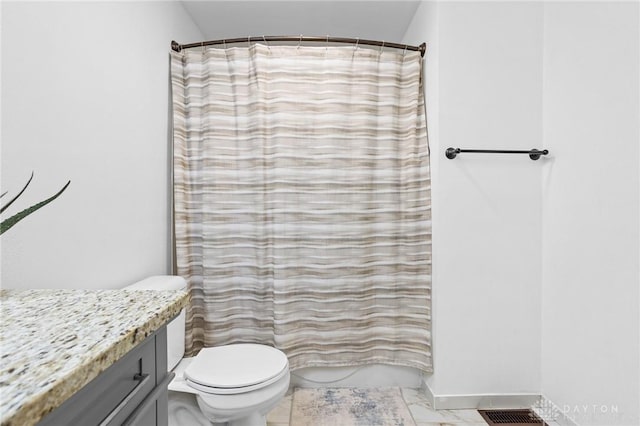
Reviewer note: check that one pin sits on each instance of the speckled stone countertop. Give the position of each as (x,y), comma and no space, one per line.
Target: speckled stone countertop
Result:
(53,342)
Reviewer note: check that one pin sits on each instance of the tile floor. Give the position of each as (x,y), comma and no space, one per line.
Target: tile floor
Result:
(420,408)
(185,412)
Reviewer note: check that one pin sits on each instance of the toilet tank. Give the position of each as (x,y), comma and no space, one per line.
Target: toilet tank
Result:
(175,329)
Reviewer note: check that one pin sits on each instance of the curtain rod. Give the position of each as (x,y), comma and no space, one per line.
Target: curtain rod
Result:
(177,47)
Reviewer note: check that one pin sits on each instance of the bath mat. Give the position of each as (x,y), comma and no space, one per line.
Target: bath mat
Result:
(349,407)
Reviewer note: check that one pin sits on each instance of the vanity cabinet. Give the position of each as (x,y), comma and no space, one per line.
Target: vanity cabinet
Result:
(133,391)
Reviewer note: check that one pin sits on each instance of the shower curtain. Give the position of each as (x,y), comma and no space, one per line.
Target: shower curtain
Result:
(302,212)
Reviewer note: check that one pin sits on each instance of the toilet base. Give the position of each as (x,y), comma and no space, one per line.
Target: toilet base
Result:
(184,410)
(247,409)
(253,420)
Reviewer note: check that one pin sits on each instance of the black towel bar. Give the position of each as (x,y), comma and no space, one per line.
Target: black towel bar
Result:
(534,154)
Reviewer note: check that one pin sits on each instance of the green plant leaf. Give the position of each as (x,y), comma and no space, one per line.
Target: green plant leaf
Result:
(16,197)
(8,223)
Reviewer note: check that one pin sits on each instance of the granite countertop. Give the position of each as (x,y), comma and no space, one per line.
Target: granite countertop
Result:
(53,342)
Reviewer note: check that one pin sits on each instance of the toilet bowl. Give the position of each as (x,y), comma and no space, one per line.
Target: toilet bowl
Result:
(234,384)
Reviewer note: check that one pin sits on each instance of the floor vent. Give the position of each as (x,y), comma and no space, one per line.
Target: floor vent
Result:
(511,417)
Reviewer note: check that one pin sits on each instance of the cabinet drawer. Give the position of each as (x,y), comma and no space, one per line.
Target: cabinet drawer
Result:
(112,396)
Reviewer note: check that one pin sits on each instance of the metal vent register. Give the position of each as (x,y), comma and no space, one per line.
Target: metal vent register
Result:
(511,417)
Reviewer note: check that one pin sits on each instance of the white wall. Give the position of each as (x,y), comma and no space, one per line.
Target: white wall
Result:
(487,209)
(590,310)
(551,246)
(85,97)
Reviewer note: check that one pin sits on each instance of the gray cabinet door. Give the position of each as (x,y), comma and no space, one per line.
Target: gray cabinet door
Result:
(132,385)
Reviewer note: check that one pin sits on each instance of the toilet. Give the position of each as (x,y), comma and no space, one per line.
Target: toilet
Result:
(236,385)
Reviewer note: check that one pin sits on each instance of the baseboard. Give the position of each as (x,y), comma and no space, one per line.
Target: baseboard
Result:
(484,401)
(479,401)
(427,391)
(541,405)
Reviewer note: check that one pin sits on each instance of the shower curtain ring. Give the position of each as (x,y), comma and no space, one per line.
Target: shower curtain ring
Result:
(224,43)
(299,42)
(265,42)
(381,47)
(202,47)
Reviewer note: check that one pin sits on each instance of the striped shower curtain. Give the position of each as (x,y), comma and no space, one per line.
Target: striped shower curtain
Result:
(302,202)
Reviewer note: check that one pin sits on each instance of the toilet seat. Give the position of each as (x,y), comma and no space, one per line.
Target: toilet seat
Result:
(236,369)
(234,391)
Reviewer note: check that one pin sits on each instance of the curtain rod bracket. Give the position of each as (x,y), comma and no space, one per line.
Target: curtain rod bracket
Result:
(175,46)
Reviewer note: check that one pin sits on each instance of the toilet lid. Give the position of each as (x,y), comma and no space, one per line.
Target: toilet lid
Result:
(236,366)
